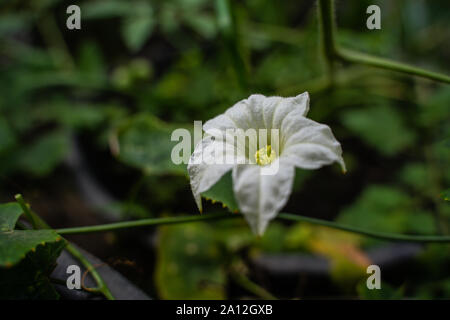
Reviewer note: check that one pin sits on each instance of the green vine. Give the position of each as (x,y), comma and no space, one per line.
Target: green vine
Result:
(283,216)
(333,52)
(38,223)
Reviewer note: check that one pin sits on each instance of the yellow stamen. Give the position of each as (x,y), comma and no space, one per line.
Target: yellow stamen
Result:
(265,156)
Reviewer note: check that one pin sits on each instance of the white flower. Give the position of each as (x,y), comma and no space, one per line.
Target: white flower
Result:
(302,143)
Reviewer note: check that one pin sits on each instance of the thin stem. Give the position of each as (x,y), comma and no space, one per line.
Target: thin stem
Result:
(228,29)
(63,283)
(145,222)
(51,33)
(27,211)
(357,57)
(274,33)
(372,234)
(41,224)
(102,287)
(327,30)
(284,216)
(334,52)
(251,286)
(327,27)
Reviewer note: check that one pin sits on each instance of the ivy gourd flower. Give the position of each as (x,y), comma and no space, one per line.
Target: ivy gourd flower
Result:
(262,180)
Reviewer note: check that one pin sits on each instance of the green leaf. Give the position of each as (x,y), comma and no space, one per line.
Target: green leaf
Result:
(387,209)
(222,192)
(203,24)
(380,127)
(234,234)
(346,273)
(12,23)
(29,279)
(416,175)
(136,30)
(44,155)
(70,115)
(145,143)
(435,110)
(273,240)
(27,257)
(420,222)
(189,263)
(9,213)
(106,9)
(15,244)
(90,60)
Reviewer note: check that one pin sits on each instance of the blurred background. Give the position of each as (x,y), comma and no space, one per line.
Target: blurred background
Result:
(86,117)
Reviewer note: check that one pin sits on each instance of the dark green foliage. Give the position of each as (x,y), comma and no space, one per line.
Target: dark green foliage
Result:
(137,70)
(27,257)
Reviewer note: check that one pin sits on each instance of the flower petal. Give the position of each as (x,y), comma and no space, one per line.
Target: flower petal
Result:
(297,105)
(211,159)
(259,112)
(308,144)
(260,197)
(220,122)
(203,168)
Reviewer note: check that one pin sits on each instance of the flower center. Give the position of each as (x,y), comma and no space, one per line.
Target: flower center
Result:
(265,156)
